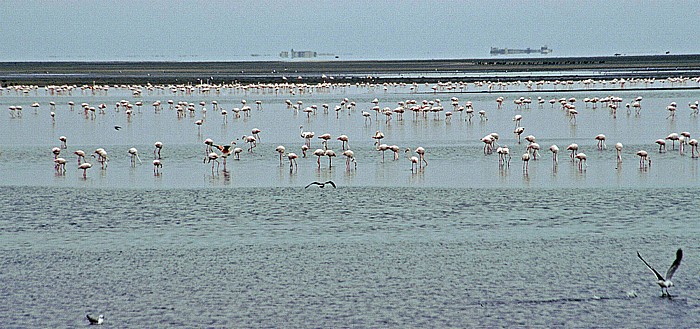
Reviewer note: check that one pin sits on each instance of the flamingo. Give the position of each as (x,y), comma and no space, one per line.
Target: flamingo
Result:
(421,154)
(101,157)
(214,159)
(517,119)
(81,155)
(601,141)
(581,157)
(199,126)
(255,132)
(643,156)
(85,166)
(368,116)
(281,150)
(396,150)
(319,153)
(414,160)
(56,151)
(63,140)
(330,154)
(526,161)
(672,111)
(534,147)
(518,131)
(503,155)
(572,114)
(292,161)
(344,139)
(226,151)
(673,137)
(306,135)
(324,138)
(157,164)
(378,137)
(209,148)
(304,148)
(555,152)
(618,149)
(251,142)
(382,148)
(60,165)
(237,153)
(134,154)
(573,147)
(693,147)
(662,145)
(349,157)
(488,144)
(156,151)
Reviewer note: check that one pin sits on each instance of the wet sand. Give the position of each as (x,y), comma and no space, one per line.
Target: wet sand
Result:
(311,71)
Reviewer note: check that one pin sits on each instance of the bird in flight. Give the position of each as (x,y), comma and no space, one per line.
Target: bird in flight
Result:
(94,320)
(321,185)
(665,283)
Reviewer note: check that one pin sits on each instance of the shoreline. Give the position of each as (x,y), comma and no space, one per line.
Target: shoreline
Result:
(375,71)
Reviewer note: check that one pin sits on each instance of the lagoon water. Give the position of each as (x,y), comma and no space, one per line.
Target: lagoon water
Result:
(460,243)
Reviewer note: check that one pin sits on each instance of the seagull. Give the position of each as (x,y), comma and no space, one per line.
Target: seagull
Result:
(117,127)
(94,320)
(321,185)
(665,283)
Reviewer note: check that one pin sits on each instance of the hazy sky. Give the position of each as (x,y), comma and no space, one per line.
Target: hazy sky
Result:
(233,30)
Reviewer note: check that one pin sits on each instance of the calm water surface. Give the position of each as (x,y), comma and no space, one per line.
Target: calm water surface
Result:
(462,243)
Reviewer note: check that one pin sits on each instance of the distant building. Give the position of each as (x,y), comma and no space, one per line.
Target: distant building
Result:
(506,51)
(298,54)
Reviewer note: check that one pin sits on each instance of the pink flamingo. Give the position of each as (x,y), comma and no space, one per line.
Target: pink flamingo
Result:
(157,164)
(344,139)
(330,154)
(156,151)
(414,160)
(85,166)
(292,161)
(281,150)
(349,157)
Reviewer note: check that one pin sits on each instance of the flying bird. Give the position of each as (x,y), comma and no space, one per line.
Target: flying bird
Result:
(665,283)
(321,185)
(94,320)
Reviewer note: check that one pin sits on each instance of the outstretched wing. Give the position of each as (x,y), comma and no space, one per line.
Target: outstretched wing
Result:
(312,183)
(91,319)
(658,275)
(674,266)
(330,182)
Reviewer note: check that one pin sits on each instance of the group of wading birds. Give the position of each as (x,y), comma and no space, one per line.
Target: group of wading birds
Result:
(418,161)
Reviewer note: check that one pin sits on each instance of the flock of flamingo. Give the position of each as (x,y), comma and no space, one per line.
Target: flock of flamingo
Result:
(215,153)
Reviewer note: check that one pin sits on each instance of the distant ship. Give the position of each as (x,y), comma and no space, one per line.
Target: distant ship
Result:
(507,51)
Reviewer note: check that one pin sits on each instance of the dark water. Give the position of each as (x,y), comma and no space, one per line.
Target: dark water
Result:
(346,257)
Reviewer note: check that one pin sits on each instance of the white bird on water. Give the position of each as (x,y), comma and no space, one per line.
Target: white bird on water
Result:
(94,320)
(665,283)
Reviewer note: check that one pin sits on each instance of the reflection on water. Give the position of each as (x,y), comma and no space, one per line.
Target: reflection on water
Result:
(454,147)
(461,242)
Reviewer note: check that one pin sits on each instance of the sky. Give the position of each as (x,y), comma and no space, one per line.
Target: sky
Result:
(32,30)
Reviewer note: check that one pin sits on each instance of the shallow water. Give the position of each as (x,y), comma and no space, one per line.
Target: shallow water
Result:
(461,243)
